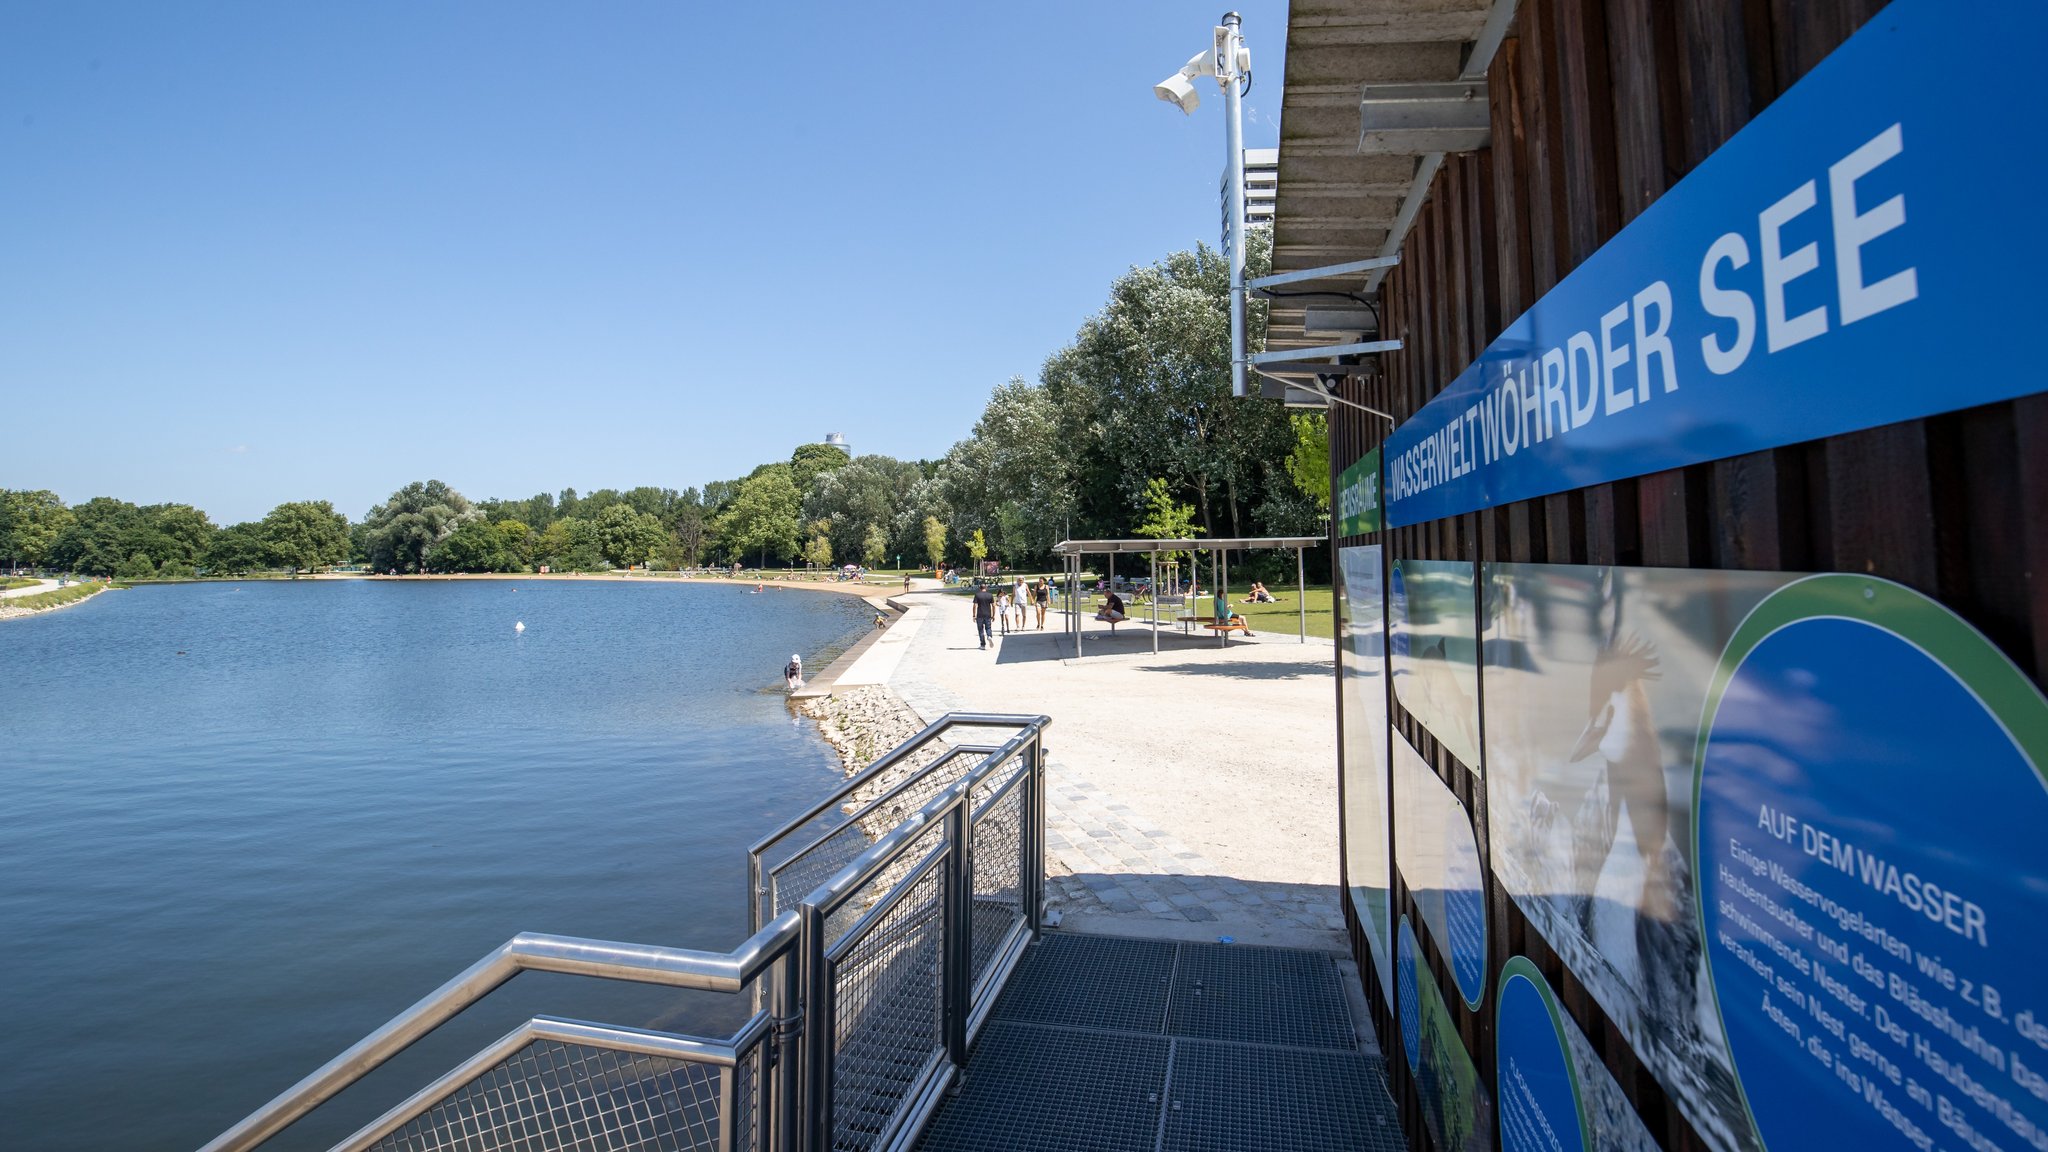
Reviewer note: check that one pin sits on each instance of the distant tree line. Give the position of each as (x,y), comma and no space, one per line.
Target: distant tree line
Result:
(1131,429)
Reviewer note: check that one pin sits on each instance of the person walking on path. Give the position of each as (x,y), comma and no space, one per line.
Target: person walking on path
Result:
(984,612)
(1003,610)
(1042,597)
(1020,596)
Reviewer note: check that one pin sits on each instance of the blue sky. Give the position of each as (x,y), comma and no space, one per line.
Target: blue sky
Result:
(256,252)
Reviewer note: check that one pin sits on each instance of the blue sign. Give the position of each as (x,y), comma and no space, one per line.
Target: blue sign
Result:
(1539,1094)
(1873,891)
(1867,251)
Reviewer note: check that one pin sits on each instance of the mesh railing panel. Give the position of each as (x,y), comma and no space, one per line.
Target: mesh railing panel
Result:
(790,880)
(889,1010)
(871,893)
(746,1097)
(550,1095)
(998,877)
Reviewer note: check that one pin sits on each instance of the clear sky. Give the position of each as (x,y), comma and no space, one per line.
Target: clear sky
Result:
(255,252)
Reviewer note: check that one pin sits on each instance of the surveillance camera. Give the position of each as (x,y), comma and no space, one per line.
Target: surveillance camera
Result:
(1175,89)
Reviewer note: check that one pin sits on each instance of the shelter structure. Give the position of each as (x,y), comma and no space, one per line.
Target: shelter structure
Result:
(1596,483)
(1074,554)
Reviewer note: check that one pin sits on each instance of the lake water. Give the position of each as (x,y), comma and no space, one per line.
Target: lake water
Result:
(241,825)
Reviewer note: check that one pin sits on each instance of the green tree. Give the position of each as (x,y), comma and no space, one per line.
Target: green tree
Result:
(869,491)
(518,540)
(35,519)
(1309,464)
(136,567)
(176,533)
(570,545)
(811,460)
(306,534)
(762,521)
(818,550)
(474,546)
(1014,476)
(238,550)
(626,536)
(1144,391)
(689,526)
(104,534)
(405,528)
(1166,519)
(977,549)
(874,547)
(935,542)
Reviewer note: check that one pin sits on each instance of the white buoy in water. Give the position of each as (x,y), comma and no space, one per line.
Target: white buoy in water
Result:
(519,626)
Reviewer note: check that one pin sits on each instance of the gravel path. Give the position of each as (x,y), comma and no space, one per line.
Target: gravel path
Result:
(44,586)
(1193,791)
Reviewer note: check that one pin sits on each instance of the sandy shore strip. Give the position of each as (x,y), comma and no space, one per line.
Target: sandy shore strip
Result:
(16,612)
(1193,792)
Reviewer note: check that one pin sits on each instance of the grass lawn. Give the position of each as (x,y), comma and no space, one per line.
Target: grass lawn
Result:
(1280,619)
(9,583)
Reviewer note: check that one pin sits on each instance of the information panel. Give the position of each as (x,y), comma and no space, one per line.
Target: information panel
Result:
(1440,864)
(1367,854)
(1873,877)
(1555,1094)
(1432,616)
(1594,682)
(1456,1106)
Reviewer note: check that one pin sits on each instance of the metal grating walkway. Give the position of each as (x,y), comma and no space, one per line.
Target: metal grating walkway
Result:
(1102,1044)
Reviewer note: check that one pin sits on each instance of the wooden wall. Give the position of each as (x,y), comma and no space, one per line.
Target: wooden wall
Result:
(1598,107)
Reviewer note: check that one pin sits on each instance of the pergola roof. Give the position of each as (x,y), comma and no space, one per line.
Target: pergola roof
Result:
(1213,544)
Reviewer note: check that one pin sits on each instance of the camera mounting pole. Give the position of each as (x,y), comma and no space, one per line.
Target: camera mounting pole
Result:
(1229,55)
(1230,63)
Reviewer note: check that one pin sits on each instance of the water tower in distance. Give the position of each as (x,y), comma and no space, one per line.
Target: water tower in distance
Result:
(838,440)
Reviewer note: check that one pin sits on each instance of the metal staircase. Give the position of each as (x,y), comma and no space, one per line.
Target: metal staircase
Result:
(886,921)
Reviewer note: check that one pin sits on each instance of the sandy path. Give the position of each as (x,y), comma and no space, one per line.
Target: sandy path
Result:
(43,586)
(1232,751)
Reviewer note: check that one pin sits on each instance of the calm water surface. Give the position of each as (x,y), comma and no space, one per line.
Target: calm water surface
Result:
(241,825)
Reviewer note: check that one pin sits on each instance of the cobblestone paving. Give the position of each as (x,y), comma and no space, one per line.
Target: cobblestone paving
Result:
(1102,857)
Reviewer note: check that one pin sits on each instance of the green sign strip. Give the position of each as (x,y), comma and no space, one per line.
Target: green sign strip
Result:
(1358,497)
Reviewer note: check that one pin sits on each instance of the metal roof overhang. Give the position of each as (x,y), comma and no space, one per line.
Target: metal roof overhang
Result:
(1338,203)
(1235,544)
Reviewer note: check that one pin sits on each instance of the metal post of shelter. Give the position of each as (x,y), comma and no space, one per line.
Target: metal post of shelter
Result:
(1223,592)
(1301,592)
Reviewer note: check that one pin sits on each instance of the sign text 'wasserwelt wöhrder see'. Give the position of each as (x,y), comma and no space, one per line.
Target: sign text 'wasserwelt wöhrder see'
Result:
(1868,250)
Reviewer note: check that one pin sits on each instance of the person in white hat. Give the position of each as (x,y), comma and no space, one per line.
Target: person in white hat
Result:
(793,673)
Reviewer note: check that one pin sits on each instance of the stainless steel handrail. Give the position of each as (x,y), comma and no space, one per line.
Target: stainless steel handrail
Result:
(896,755)
(528,951)
(756,875)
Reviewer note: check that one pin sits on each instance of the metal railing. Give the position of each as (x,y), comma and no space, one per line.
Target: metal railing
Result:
(874,982)
(796,857)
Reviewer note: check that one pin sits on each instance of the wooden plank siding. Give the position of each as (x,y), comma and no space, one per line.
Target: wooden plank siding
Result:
(1598,108)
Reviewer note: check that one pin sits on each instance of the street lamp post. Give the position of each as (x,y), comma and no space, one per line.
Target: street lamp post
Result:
(1230,62)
